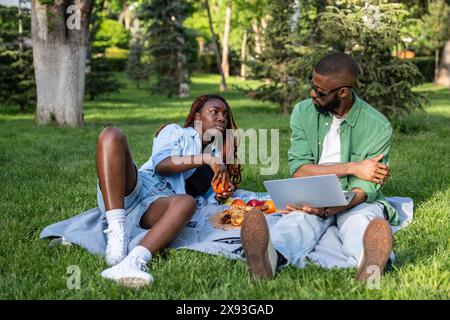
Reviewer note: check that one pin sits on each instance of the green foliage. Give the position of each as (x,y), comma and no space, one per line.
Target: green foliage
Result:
(137,70)
(104,56)
(370,34)
(285,60)
(117,58)
(112,34)
(17,77)
(100,78)
(435,24)
(425,66)
(17,84)
(167,42)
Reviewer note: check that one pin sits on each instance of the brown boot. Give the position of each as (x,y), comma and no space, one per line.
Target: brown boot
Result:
(255,237)
(377,246)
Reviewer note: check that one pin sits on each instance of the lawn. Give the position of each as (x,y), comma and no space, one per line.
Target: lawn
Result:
(48,174)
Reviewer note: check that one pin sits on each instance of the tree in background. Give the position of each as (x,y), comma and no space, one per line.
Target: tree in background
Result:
(112,33)
(137,70)
(370,33)
(225,41)
(435,28)
(16,59)
(60,41)
(100,77)
(286,59)
(168,47)
(223,83)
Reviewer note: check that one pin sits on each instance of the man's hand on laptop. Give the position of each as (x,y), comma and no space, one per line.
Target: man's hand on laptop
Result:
(321,212)
(371,170)
(360,197)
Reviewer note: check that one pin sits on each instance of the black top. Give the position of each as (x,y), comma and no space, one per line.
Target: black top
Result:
(200,181)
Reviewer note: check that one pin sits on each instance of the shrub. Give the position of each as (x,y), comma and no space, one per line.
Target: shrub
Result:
(426,67)
(370,34)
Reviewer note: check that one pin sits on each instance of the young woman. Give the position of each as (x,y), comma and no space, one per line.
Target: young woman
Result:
(160,195)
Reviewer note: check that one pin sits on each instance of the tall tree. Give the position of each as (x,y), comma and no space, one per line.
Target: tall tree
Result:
(225,41)
(243,72)
(137,70)
(223,84)
(168,45)
(274,64)
(370,33)
(16,59)
(436,29)
(60,34)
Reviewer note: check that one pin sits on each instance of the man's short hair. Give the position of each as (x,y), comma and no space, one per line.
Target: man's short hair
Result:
(337,63)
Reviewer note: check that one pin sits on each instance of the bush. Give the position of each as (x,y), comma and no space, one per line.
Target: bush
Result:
(426,67)
(207,63)
(112,34)
(385,81)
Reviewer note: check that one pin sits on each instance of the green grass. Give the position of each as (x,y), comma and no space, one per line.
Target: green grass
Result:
(48,174)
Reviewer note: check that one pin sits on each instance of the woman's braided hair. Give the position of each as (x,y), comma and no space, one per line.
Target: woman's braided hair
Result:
(234,169)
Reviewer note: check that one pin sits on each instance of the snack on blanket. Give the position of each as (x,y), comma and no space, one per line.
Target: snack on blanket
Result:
(234,215)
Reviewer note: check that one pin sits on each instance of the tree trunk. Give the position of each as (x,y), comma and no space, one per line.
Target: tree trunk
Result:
(443,76)
(20,26)
(436,64)
(264,25)
(183,72)
(244,55)
(226,36)
(256,30)
(124,16)
(59,54)
(223,84)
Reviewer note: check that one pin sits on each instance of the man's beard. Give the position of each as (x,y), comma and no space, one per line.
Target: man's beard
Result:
(328,107)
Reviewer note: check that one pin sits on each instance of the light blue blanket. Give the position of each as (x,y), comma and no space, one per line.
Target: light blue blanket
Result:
(86,230)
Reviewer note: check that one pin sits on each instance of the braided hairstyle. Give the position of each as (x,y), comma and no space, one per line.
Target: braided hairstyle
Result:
(234,169)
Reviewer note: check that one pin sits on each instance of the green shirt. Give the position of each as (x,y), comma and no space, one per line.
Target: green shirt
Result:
(364,134)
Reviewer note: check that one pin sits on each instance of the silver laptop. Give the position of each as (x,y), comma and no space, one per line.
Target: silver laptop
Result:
(316,191)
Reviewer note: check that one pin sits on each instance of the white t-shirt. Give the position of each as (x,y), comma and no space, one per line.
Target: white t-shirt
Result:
(331,152)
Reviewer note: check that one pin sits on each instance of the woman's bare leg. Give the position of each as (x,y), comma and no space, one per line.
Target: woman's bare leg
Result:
(117,179)
(166,217)
(115,168)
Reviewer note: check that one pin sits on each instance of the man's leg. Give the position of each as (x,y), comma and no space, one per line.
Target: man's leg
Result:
(367,238)
(297,234)
(117,178)
(294,236)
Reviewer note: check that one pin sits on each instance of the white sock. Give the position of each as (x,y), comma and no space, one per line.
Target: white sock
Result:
(141,252)
(115,215)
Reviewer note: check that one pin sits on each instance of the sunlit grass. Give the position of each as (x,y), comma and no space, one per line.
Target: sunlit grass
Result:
(48,174)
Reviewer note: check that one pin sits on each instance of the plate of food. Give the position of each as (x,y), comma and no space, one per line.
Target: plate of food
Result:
(232,218)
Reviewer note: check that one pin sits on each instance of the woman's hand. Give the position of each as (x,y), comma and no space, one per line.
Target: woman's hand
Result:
(217,166)
(226,194)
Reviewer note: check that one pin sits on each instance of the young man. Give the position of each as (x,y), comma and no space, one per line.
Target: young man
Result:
(334,132)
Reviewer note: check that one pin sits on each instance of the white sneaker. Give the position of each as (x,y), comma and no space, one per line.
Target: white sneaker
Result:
(116,247)
(261,256)
(129,272)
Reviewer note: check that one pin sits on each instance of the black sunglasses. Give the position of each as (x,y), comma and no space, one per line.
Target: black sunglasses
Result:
(321,94)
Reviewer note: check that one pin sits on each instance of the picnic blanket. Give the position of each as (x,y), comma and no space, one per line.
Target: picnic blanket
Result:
(86,230)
